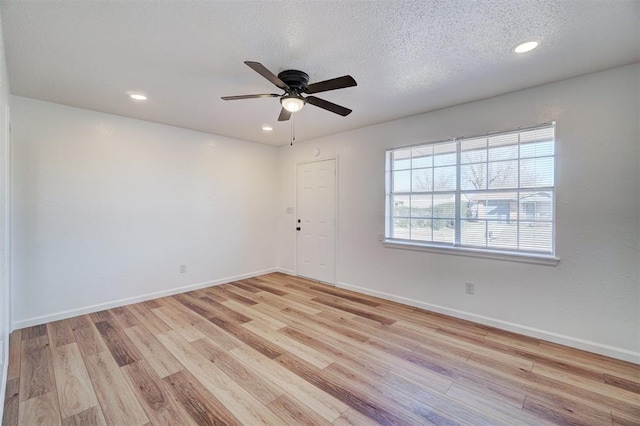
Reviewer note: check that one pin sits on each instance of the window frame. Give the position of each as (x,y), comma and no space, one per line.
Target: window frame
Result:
(457,248)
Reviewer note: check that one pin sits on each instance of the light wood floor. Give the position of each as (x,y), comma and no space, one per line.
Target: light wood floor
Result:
(283,350)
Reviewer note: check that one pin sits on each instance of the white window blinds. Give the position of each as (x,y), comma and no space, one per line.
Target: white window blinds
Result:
(491,192)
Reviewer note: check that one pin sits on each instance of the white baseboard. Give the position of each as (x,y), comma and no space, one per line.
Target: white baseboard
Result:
(286,271)
(136,299)
(573,342)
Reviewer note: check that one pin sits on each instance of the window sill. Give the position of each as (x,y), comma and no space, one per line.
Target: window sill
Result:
(466,251)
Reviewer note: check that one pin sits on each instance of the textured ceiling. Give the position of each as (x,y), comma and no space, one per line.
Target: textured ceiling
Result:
(408,57)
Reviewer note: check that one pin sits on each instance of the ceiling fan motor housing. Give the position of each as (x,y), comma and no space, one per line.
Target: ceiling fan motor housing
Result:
(296,80)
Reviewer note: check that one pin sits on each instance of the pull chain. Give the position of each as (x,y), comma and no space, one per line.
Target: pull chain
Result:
(293,128)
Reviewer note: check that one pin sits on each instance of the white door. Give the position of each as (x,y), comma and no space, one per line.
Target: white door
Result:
(315,223)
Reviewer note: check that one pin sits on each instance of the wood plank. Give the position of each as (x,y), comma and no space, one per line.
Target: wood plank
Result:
(11,402)
(264,286)
(335,350)
(318,359)
(101,316)
(41,410)
(124,317)
(122,349)
(149,304)
(198,306)
(209,294)
(261,389)
(246,286)
(491,390)
(322,403)
(495,407)
(386,334)
(244,406)
(146,317)
(33,332)
(155,395)
(310,306)
(90,417)
(623,383)
(201,405)
(586,383)
(347,395)
(623,419)
(177,323)
(542,360)
(294,413)
(345,295)
(36,369)
(504,359)
(263,346)
(590,360)
(15,349)
(224,312)
(563,414)
(158,357)
(119,404)
(204,370)
(230,294)
(542,387)
(353,417)
(75,391)
(60,333)
(379,359)
(218,335)
(87,336)
(290,301)
(425,405)
(323,324)
(254,314)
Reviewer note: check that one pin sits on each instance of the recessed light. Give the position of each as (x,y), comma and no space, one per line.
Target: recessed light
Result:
(267,128)
(137,96)
(526,46)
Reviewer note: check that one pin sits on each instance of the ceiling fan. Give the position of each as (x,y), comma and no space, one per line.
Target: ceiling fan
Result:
(295,83)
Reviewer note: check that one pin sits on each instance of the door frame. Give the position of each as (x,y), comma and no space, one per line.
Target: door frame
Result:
(335,215)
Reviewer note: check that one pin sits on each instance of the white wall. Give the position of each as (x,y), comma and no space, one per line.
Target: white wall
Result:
(4,218)
(590,300)
(107,208)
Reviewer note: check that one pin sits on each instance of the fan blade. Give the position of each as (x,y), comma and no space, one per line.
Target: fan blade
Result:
(284,115)
(329,106)
(263,71)
(333,84)
(263,95)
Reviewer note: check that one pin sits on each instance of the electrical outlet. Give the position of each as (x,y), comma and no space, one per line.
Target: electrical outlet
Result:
(470,288)
(183,269)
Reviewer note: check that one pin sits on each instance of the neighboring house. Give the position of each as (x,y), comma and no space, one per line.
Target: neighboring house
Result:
(503,206)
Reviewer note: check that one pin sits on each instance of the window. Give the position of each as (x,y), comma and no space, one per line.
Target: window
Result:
(491,193)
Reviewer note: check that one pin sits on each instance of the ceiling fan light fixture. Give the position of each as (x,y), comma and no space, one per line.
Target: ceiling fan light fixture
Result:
(292,103)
